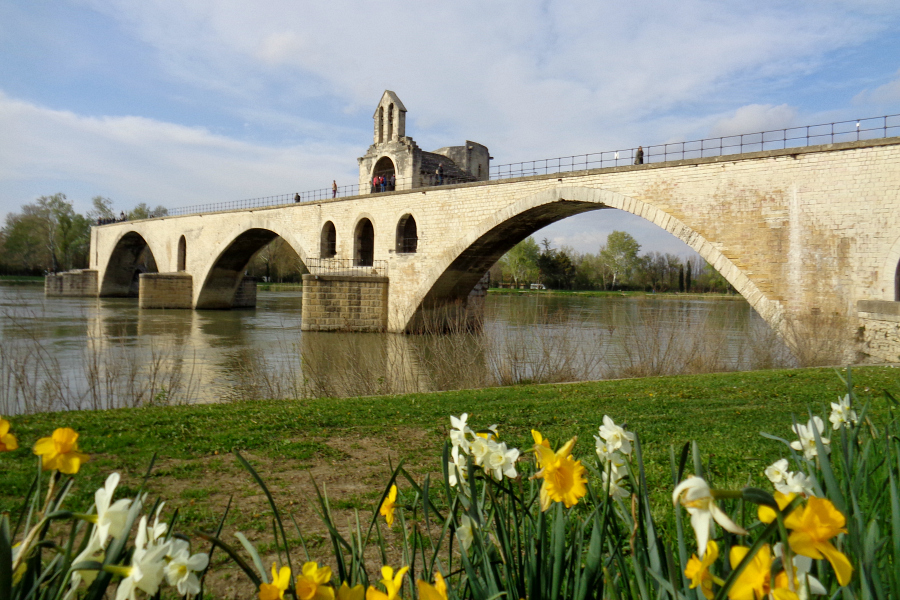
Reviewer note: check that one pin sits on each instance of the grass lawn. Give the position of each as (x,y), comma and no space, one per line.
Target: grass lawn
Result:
(347,444)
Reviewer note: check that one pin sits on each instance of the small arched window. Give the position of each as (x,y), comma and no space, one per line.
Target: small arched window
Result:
(328,244)
(364,243)
(390,122)
(182,254)
(897,284)
(380,125)
(407,235)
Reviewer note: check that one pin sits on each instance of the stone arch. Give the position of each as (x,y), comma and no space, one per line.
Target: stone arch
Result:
(182,254)
(364,243)
(407,235)
(224,273)
(384,167)
(891,278)
(328,241)
(131,256)
(456,272)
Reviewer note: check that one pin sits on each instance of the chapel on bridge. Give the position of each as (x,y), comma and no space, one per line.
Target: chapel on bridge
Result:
(393,153)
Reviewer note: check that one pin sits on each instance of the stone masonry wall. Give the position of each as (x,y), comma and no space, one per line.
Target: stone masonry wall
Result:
(344,303)
(79,282)
(880,329)
(165,290)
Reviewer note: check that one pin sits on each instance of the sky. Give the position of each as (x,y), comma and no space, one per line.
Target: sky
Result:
(179,103)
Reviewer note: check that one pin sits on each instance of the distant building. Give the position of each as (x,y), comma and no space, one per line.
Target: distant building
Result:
(394,153)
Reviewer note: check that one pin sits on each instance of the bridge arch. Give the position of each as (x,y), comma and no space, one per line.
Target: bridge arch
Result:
(222,276)
(456,272)
(891,281)
(131,255)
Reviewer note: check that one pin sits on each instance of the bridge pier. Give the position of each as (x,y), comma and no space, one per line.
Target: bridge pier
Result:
(79,283)
(166,290)
(344,303)
(879,329)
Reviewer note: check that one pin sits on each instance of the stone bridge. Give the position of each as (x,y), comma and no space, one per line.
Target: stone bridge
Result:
(800,231)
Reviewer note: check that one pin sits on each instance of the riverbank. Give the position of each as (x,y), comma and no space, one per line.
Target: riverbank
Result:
(611,293)
(347,443)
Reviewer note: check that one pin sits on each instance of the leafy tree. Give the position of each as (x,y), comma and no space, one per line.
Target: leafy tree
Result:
(521,263)
(556,268)
(102,209)
(620,256)
(48,234)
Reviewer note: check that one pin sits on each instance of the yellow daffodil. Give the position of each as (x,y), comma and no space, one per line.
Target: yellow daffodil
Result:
(387,507)
(280,582)
(563,475)
(767,514)
(60,451)
(695,496)
(313,583)
(438,591)
(754,582)
(392,584)
(7,440)
(698,570)
(539,440)
(812,527)
(345,592)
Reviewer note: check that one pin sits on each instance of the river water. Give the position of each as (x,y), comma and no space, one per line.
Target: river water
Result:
(75,353)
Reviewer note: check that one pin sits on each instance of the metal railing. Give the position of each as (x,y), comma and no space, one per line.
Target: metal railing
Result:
(347,266)
(776,139)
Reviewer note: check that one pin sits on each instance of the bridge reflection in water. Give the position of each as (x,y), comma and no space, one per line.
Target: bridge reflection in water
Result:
(102,353)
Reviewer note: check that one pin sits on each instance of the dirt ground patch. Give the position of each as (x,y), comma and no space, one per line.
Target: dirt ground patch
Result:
(353,470)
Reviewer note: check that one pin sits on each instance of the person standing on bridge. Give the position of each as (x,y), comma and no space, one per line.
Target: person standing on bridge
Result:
(297,197)
(440,174)
(374,184)
(639,156)
(393,182)
(334,188)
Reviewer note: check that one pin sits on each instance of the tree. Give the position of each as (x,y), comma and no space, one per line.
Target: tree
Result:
(521,263)
(143,211)
(48,234)
(620,256)
(102,210)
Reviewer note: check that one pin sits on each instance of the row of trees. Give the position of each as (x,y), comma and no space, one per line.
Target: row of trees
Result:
(47,235)
(617,266)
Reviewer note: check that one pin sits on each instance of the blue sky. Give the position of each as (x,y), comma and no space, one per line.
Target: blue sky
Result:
(179,103)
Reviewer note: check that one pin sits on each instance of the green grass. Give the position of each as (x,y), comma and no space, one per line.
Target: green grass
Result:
(724,412)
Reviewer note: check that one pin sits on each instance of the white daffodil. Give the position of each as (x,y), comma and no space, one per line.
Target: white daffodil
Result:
(464,531)
(613,483)
(148,563)
(181,572)
(479,449)
(804,583)
(456,468)
(841,413)
(602,449)
(796,483)
(615,436)
(777,471)
(501,461)
(459,431)
(111,516)
(807,442)
(159,529)
(695,496)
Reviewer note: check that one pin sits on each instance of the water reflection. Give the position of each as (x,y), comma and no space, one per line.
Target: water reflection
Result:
(67,353)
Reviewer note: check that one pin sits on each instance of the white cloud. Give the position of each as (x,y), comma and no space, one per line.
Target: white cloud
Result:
(889,93)
(755,118)
(134,159)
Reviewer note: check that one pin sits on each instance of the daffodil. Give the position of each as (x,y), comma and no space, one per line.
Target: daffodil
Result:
(111,517)
(694,494)
(392,584)
(777,471)
(610,481)
(479,448)
(7,440)
(60,451)
(767,513)
(615,436)
(539,440)
(754,582)
(459,431)
(812,527)
(387,507)
(281,579)
(697,570)
(796,483)
(312,584)
(182,568)
(563,476)
(457,467)
(148,563)
(464,531)
(501,461)
(841,413)
(807,441)
(345,592)
(438,591)
(804,584)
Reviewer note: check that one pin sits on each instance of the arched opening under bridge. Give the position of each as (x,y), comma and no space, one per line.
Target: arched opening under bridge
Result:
(129,259)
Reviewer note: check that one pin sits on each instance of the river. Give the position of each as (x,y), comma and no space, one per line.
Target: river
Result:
(79,353)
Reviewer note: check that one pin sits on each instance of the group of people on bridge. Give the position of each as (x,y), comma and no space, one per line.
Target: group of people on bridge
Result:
(381,183)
